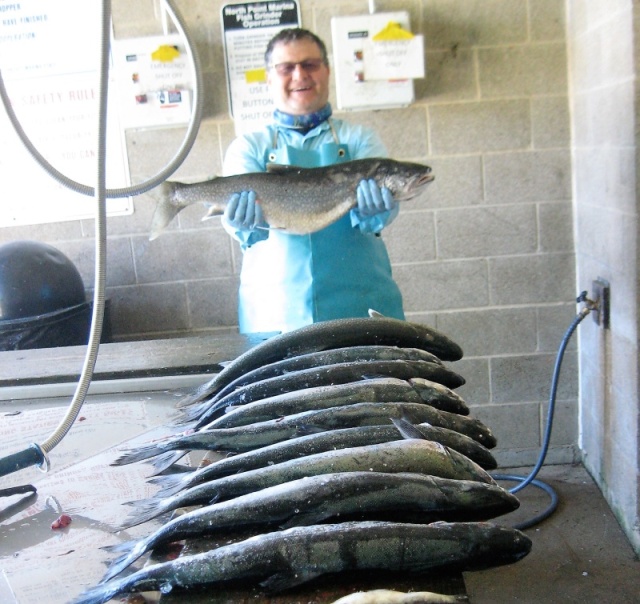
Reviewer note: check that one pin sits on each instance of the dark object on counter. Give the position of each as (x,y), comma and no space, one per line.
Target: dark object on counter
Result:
(42,299)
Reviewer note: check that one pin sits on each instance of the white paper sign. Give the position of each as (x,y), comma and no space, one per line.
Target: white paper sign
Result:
(247,28)
(50,70)
(154,81)
(394,59)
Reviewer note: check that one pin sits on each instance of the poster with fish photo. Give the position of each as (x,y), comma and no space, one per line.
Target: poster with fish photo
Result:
(246,30)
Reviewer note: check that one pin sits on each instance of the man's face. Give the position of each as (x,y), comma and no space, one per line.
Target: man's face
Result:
(298,89)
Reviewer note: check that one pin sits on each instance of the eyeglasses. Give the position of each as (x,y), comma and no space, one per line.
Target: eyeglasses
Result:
(308,65)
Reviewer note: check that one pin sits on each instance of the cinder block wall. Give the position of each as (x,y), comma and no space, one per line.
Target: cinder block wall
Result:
(487,256)
(604,65)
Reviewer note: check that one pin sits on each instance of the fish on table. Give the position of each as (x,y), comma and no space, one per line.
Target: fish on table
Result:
(338,373)
(314,499)
(325,335)
(295,200)
(319,442)
(284,559)
(414,456)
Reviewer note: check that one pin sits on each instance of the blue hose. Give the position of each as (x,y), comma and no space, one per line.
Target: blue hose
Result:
(530,479)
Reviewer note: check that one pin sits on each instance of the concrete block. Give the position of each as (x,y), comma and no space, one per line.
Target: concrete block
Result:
(477,389)
(435,286)
(524,70)
(458,183)
(556,226)
(82,253)
(528,377)
(553,321)
(532,279)
(148,310)
(564,427)
(496,331)
(455,23)
(181,256)
(528,176)
(550,122)
(50,232)
(515,426)
(486,231)
(547,19)
(403,130)
(475,127)
(411,237)
(151,150)
(213,303)
(450,76)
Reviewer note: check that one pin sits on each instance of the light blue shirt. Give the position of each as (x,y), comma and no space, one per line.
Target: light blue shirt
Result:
(343,270)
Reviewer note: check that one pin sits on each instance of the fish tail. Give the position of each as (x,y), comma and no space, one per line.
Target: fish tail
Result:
(123,546)
(192,413)
(126,559)
(166,209)
(145,510)
(169,485)
(102,593)
(165,461)
(139,454)
(406,428)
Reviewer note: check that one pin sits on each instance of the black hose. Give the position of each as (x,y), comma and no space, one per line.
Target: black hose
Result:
(530,479)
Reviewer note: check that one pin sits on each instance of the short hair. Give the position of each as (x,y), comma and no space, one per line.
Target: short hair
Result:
(293,34)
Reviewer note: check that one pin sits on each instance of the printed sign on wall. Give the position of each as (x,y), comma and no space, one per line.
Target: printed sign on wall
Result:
(247,29)
(50,68)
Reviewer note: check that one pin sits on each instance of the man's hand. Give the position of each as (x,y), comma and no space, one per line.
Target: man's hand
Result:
(373,199)
(243,213)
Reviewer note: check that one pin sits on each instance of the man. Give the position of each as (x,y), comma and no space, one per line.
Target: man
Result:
(288,281)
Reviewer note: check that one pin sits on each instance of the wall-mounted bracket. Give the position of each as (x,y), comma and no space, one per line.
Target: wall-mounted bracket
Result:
(602,300)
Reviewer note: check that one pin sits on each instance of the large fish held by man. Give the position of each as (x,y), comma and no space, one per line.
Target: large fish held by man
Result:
(296,200)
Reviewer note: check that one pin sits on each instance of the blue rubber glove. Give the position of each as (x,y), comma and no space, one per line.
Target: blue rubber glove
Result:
(373,199)
(243,213)
(243,219)
(376,207)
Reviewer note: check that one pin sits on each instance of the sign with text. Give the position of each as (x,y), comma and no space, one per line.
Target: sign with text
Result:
(247,29)
(50,68)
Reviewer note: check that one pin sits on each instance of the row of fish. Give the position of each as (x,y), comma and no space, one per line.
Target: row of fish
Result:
(348,449)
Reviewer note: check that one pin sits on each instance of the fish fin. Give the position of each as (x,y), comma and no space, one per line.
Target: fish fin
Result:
(102,593)
(139,548)
(169,485)
(284,580)
(117,548)
(407,429)
(373,376)
(145,510)
(201,392)
(193,412)
(304,519)
(273,168)
(374,314)
(305,429)
(165,461)
(138,454)
(165,210)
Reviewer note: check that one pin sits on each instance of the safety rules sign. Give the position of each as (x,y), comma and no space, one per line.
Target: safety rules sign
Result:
(247,29)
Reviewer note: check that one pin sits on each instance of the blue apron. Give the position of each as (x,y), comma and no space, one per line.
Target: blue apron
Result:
(289,281)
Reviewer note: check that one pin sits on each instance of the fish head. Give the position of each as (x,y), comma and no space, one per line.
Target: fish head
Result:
(405,180)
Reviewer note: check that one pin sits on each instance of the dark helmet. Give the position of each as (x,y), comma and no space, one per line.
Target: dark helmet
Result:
(36,279)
